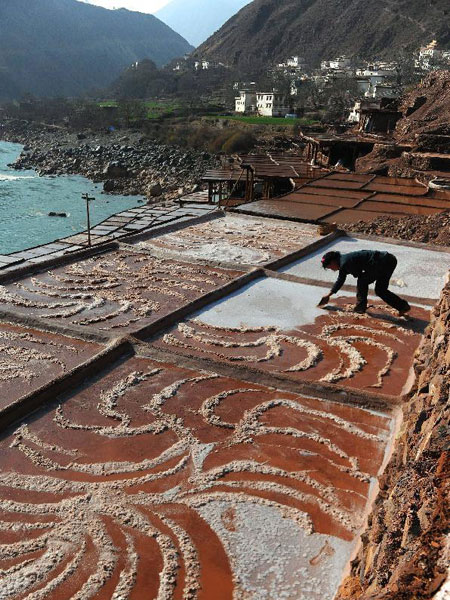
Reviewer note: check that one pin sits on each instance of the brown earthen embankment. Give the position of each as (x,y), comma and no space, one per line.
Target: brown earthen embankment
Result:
(403,551)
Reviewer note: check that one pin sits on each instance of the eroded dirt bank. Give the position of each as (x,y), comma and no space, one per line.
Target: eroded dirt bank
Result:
(428,229)
(405,551)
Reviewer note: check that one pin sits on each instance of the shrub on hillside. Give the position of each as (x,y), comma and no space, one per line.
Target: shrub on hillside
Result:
(240,141)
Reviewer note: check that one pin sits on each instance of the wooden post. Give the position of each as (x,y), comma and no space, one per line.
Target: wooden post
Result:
(210,192)
(88,199)
(252,185)
(247,196)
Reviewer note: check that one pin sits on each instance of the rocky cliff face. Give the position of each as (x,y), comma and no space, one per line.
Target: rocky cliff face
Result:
(406,549)
(267,31)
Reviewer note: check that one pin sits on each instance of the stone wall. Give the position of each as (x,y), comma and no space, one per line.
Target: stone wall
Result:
(406,548)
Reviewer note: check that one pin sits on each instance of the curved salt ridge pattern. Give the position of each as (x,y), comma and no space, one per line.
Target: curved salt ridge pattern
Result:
(17,361)
(242,466)
(241,240)
(120,279)
(190,559)
(273,343)
(170,391)
(108,403)
(274,340)
(79,506)
(127,577)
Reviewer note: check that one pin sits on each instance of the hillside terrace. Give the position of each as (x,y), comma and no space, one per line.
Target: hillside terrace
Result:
(174,404)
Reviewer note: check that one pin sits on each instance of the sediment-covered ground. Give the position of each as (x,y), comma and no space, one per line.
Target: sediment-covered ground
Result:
(431,229)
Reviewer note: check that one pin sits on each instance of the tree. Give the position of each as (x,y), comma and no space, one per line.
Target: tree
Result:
(131,111)
(407,74)
(135,80)
(338,97)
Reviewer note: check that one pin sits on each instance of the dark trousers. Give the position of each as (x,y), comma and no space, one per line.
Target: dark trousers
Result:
(381,287)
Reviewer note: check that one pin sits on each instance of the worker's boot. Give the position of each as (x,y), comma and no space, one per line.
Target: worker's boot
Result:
(360,309)
(403,312)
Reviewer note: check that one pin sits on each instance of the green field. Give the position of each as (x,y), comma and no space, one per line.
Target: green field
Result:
(154,109)
(265,120)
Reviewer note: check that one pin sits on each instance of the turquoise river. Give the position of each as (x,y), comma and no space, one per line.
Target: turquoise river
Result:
(26,199)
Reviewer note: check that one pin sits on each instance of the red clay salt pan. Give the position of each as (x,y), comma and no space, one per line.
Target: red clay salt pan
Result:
(157,481)
(274,326)
(31,358)
(119,291)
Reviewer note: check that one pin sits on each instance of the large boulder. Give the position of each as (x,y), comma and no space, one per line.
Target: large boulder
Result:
(115,170)
(155,190)
(109,185)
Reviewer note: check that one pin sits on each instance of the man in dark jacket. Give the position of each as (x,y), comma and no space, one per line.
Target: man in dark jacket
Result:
(367,266)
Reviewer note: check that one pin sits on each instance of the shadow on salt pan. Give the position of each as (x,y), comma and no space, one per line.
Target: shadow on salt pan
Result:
(267,302)
(419,272)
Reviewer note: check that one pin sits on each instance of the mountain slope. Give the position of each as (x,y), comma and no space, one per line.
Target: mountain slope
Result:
(269,30)
(196,20)
(64,47)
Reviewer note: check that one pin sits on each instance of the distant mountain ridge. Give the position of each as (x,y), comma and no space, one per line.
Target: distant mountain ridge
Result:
(267,31)
(65,47)
(196,20)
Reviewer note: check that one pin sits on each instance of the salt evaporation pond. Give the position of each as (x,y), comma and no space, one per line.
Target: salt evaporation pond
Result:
(26,199)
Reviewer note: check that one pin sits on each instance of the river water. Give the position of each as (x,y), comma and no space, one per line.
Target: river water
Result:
(26,199)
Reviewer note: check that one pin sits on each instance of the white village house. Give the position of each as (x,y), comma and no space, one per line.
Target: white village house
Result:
(245,102)
(266,104)
(272,104)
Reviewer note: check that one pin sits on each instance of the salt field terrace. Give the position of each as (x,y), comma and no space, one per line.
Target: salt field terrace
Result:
(207,431)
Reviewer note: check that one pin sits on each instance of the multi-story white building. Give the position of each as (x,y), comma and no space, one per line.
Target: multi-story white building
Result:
(355,113)
(341,62)
(272,104)
(245,102)
(431,53)
(379,90)
(202,65)
(384,90)
(373,75)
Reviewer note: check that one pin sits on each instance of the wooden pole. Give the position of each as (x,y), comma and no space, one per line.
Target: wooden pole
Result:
(88,199)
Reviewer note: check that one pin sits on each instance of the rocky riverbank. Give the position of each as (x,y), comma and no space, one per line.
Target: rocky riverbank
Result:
(124,161)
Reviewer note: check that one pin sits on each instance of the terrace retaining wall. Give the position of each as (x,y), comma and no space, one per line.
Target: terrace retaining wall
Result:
(405,551)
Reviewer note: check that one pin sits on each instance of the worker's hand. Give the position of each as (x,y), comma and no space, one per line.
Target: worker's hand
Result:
(325,300)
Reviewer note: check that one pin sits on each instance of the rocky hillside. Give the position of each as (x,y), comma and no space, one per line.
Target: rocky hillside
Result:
(425,125)
(64,47)
(405,551)
(196,20)
(270,30)
(426,111)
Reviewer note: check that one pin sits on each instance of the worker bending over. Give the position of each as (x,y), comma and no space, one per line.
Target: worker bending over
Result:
(367,266)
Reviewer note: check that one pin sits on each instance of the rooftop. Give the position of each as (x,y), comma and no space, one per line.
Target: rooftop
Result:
(348,197)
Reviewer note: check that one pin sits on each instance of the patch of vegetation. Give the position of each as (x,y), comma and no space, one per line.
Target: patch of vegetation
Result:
(153,109)
(278,121)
